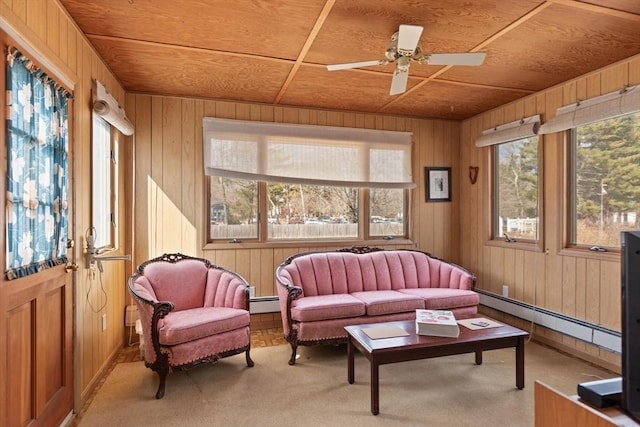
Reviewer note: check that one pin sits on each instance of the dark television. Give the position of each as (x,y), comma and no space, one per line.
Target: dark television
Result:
(631,323)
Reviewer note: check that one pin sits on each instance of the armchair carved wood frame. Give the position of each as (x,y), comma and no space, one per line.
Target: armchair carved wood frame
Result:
(192,312)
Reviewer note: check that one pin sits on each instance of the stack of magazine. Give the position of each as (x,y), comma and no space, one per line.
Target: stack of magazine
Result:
(438,323)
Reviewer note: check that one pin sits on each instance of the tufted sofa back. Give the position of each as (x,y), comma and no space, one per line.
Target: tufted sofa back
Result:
(326,273)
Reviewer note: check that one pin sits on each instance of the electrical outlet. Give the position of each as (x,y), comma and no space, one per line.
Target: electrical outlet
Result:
(505,291)
(104,322)
(252,291)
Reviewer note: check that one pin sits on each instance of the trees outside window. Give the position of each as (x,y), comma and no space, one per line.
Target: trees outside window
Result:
(233,208)
(605,181)
(515,190)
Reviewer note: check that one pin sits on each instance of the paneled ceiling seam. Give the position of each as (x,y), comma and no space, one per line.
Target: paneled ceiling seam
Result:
(598,9)
(324,13)
(189,48)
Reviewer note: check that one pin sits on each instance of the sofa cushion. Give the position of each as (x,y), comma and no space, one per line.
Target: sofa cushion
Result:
(387,302)
(323,307)
(444,298)
(188,325)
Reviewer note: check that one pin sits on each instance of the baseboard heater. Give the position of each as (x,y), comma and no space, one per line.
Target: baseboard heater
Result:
(261,305)
(584,331)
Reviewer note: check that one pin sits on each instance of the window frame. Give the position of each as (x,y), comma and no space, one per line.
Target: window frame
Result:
(262,239)
(491,202)
(570,246)
(98,202)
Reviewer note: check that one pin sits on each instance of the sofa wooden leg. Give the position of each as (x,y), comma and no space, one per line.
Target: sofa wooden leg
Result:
(249,361)
(294,349)
(162,373)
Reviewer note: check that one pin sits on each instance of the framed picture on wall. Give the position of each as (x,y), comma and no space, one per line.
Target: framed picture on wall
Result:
(437,183)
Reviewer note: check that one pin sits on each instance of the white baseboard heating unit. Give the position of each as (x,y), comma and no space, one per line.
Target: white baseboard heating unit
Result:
(584,331)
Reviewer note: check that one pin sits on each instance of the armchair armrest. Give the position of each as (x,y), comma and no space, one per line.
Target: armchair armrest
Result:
(226,288)
(151,312)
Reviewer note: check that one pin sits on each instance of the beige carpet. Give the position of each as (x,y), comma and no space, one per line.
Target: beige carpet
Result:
(447,391)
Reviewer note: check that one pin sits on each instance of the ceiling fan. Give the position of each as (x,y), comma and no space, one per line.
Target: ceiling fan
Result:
(403,49)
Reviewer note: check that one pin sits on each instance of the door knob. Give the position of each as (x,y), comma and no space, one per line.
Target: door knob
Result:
(71,266)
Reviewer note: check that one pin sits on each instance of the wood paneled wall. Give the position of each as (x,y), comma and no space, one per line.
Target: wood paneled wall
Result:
(575,283)
(171,188)
(45,30)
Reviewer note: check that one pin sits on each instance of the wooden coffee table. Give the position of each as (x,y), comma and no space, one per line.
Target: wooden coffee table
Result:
(413,347)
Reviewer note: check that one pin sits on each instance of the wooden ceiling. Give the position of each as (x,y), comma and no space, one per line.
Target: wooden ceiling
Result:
(276,51)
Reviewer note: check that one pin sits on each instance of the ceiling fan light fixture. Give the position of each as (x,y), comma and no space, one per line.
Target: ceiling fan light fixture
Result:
(403,64)
(391,53)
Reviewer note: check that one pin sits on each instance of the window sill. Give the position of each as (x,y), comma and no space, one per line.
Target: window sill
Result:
(523,246)
(610,255)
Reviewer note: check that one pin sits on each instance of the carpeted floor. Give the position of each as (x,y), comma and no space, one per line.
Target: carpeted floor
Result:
(266,337)
(447,391)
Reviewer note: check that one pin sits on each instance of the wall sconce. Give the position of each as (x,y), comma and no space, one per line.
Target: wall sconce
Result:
(473,174)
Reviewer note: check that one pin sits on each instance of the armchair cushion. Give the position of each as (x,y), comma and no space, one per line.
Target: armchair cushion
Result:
(187,325)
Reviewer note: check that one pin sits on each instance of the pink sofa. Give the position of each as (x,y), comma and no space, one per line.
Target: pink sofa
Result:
(322,292)
(191,311)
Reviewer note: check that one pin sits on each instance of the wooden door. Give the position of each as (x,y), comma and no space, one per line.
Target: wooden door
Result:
(36,342)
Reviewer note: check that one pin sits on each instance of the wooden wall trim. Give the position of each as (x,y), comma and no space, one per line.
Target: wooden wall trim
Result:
(38,51)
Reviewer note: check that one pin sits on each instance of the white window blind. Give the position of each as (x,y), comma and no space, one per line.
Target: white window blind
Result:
(513,131)
(306,154)
(602,107)
(108,108)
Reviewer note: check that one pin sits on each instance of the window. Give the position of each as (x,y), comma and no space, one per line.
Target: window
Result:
(233,209)
(278,182)
(516,190)
(104,184)
(387,212)
(605,181)
(299,211)
(37,142)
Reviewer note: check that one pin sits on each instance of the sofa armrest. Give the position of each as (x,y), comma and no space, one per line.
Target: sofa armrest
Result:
(287,293)
(451,275)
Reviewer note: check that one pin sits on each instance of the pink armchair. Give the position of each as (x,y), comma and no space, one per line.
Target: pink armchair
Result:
(191,311)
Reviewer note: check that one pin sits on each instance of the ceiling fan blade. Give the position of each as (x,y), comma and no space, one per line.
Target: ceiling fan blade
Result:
(350,65)
(472,58)
(399,82)
(408,38)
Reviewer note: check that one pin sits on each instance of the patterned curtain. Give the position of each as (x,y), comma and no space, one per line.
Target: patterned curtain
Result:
(37,150)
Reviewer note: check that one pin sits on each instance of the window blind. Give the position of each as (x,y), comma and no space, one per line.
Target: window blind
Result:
(519,129)
(108,108)
(602,107)
(307,154)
